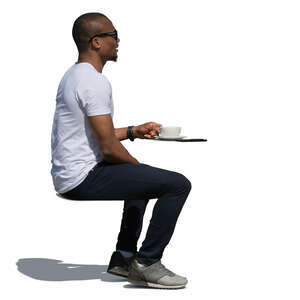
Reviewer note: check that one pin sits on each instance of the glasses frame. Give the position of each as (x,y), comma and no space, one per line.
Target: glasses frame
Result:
(114,34)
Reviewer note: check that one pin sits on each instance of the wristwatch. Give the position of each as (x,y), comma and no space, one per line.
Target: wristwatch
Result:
(130,134)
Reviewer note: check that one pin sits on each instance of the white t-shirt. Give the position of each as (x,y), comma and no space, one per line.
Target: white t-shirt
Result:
(82,92)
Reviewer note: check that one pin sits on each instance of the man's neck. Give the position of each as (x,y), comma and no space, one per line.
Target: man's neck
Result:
(96,63)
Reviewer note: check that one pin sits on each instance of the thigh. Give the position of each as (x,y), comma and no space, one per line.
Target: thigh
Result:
(125,181)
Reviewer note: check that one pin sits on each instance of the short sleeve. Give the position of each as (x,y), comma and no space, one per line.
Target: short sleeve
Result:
(94,95)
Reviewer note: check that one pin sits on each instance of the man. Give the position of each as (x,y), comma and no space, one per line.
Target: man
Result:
(90,163)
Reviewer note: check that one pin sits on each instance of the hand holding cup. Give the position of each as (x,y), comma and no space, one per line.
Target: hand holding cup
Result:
(147,130)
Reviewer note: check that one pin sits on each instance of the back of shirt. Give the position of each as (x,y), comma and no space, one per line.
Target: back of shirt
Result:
(82,92)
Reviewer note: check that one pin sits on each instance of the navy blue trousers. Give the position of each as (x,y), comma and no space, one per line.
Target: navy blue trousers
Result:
(136,184)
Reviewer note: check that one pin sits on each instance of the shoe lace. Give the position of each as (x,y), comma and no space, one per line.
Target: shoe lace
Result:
(165,270)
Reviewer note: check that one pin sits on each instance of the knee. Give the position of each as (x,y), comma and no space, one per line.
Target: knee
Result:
(187,184)
(180,182)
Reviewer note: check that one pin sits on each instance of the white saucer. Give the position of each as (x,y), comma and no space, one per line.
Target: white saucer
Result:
(170,137)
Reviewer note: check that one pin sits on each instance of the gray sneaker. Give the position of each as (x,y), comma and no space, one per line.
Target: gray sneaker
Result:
(155,275)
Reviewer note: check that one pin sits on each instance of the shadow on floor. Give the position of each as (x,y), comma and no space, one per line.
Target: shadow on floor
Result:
(56,270)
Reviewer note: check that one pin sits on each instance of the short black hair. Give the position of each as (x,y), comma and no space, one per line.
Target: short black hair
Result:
(82,32)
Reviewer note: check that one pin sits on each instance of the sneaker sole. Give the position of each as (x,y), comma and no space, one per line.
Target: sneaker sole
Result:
(155,285)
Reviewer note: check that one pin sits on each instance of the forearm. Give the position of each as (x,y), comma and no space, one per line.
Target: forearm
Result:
(118,154)
(121,133)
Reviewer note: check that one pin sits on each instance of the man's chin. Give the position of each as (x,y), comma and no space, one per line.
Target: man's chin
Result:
(114,58)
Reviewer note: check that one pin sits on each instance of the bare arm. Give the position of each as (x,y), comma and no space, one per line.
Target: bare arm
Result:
(110,147)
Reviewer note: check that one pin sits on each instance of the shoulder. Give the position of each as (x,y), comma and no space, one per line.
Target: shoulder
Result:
(93,80)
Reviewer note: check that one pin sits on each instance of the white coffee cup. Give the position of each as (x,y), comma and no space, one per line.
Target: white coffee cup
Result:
(169,131)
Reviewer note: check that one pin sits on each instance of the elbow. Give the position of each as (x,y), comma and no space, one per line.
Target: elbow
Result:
(105,151)
(106,148)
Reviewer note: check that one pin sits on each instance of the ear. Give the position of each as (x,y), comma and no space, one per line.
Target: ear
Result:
(96,42)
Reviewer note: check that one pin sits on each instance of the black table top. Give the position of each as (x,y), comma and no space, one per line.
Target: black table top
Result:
(185,139)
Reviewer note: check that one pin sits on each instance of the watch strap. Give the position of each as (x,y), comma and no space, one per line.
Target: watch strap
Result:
(130,134)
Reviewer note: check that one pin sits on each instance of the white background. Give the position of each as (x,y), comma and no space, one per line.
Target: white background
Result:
(227,71)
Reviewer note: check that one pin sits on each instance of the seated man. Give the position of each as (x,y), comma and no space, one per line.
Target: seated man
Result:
(90,163)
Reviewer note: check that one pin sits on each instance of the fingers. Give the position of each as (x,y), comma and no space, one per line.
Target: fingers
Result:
(157,125)
(151,129)
(154,132)
(150,134)
(154,125)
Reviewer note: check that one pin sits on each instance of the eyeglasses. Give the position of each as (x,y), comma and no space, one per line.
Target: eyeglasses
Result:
(114,34)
